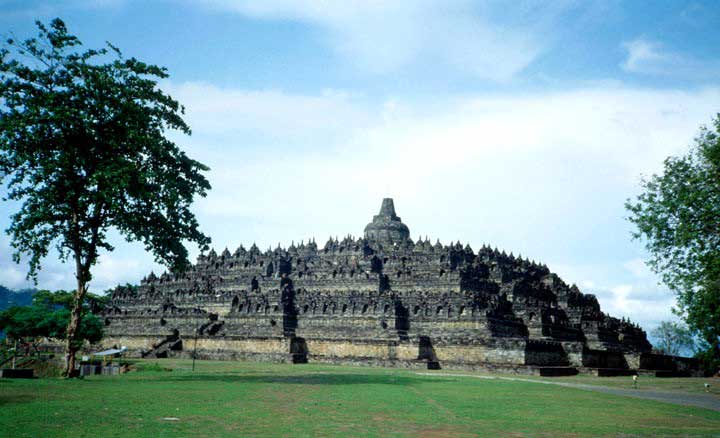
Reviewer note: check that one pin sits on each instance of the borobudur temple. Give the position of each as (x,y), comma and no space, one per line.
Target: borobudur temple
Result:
(379,300)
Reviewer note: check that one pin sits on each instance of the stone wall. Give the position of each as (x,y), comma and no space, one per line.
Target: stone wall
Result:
(376,300)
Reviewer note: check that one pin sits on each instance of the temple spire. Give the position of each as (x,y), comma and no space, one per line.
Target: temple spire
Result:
(387,226)
(387,209)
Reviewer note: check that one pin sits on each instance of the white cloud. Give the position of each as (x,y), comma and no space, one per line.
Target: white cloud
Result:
(587,284)
(270,114)
(638,268)
(53,275)
(642,54)
(13,277)
(384,36)
(643,302)
(544,175)
(620,291)
(127,265)
(112,270)
(652,58)
(534,159)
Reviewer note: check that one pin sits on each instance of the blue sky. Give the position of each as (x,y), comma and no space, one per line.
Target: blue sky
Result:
(525,127)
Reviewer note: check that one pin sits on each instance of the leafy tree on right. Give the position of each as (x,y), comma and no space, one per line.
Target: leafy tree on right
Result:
(677,214)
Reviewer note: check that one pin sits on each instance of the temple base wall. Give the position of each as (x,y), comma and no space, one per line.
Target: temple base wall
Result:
(509,352)
(510,355)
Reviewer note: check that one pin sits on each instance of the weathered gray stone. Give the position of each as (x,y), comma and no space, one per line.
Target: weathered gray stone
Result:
(386,226)
(380,299)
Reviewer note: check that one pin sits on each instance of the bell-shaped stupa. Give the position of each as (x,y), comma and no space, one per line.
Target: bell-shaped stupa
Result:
(386,226)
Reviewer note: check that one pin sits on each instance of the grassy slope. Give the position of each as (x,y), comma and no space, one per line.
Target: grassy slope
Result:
(231,398)
(645,383)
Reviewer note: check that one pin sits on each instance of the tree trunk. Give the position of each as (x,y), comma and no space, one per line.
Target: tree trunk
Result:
(72,343)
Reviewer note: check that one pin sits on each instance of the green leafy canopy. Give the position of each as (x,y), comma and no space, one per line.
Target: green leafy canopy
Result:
(61,298)
(678,216)
(83,149)
(43,319)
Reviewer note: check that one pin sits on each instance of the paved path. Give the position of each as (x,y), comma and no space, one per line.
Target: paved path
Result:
(706,401)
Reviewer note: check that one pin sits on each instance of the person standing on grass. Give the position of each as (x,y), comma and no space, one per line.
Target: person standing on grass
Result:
(635,377)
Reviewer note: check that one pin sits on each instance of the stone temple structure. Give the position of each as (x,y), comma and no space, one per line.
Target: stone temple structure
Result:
(382,299)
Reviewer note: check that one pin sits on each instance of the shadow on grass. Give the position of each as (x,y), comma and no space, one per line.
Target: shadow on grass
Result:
(301,379)
(141,378)
(8,399)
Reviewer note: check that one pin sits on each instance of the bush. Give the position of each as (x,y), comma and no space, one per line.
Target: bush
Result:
(153,367)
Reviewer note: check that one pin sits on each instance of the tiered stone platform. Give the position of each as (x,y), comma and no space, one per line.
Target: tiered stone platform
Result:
(377,300)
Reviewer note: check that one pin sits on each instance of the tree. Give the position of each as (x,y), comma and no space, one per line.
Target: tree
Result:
(678,215)
(48,317)
(93,303)
(83,148)
(673,338)
(33,322)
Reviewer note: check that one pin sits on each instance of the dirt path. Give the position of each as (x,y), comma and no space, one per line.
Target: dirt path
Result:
(706,401)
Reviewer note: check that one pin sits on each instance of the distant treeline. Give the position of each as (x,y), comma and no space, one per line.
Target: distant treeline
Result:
(9,297)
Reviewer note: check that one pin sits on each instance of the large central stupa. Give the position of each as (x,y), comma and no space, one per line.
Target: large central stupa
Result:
(383,300)
(387,226)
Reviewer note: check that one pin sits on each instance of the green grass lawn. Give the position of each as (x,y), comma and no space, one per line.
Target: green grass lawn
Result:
(237,398)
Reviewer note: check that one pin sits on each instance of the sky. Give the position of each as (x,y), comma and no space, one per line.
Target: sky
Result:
(522,125)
